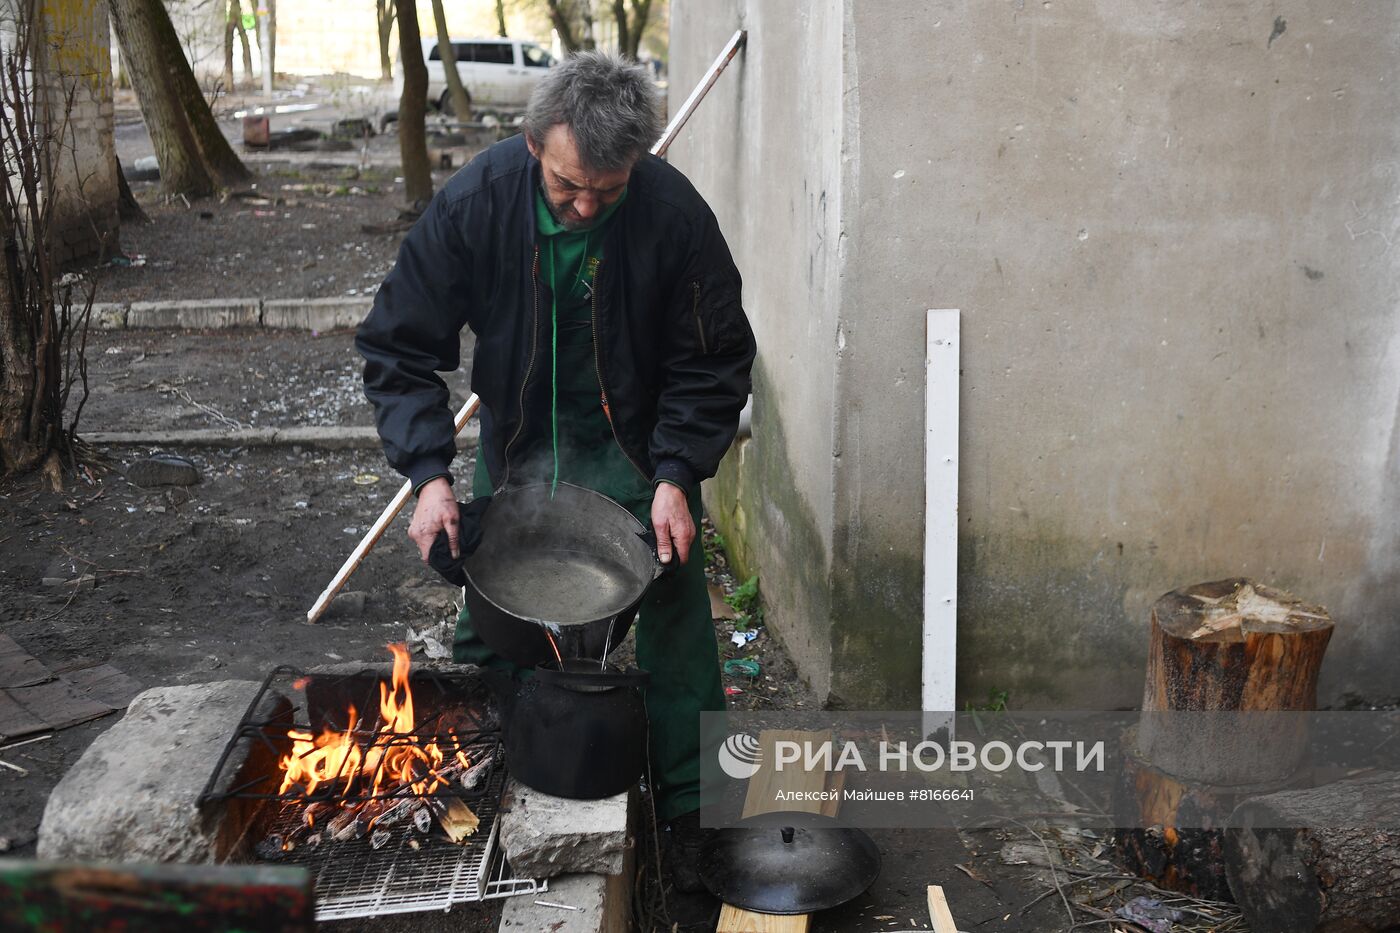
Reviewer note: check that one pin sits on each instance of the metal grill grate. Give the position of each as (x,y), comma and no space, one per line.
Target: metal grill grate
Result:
(355,880)
(352,878)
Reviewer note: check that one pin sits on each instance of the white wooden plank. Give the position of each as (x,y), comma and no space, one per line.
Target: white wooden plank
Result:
(940,636)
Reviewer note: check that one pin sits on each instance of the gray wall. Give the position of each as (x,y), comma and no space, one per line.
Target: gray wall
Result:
(772,172)
(1170,227)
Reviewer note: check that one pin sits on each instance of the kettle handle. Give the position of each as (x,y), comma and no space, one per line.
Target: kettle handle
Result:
(628,678)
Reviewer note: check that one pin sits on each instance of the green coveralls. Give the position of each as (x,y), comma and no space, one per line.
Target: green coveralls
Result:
(674,630)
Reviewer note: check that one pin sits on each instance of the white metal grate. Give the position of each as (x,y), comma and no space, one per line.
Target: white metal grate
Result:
(353,879)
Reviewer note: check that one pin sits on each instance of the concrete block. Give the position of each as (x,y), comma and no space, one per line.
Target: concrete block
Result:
(215,313)
(546,836)
(132,796)
(603,903)
(108,317)
(319,314)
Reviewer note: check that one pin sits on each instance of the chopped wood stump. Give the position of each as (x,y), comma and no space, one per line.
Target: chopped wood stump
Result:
(1228,662)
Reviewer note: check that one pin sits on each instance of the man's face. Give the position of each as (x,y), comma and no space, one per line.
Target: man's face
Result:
(575,193)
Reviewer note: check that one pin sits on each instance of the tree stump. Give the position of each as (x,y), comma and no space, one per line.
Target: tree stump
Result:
(1232,669)
(1327,855)
(1231,647)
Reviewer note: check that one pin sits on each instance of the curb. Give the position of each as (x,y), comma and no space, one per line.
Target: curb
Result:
(321,438)
(310,314)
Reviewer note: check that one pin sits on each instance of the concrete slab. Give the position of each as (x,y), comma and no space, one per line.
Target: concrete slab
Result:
(602,902)
(545,836)
(319,314)
(205,313)
(109,316)
(132,796)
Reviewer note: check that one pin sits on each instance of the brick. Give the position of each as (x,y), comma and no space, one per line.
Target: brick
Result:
(601,902)
(216,313)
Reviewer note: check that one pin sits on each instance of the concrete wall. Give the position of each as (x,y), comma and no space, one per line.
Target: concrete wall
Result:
(1171,229)
(77,76)
(773,174)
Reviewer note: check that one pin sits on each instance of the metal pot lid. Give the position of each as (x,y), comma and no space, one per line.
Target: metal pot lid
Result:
(788,863)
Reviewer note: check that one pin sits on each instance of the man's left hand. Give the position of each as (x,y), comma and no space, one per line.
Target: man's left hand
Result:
(670,517)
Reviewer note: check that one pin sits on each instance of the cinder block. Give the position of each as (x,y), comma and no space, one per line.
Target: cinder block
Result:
(319,314)
(216,313)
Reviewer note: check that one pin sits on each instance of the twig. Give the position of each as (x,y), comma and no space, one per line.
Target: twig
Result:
(22,772)
(1071,884)
(1050,863)
(6,748)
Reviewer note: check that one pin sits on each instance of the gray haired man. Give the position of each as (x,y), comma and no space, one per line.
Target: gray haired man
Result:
(612,351)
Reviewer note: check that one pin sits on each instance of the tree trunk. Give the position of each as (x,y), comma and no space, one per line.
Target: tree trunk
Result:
(272,38)
(1328,855)
(128,208)
(1230,647)
(194,157)
(384,14)
(457,94)
(501,18)
(623,33)
(413,140)
(228,44)
(247,49)
(24,440)
(641,15)
(563,24)
(1231,673)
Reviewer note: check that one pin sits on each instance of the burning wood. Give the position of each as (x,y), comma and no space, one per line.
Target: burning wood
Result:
(387,773)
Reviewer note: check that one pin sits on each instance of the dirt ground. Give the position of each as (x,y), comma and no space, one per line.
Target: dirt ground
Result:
(212,581)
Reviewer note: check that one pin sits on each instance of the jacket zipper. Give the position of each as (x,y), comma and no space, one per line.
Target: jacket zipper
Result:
(602,387)
(529,367)
(695,310)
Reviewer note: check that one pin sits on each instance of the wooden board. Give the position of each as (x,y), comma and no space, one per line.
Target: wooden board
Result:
(16,721)
(765,785)
(938,913)
(763,788)
(18,668)
(58,704)
(105,684)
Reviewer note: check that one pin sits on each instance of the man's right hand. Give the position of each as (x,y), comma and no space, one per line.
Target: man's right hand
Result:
(436,511)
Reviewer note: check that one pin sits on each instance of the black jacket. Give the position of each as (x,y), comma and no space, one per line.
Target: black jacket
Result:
(672,345)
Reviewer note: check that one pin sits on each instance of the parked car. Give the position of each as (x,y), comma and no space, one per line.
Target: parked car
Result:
(499,74)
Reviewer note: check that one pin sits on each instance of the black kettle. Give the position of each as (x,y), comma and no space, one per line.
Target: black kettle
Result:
(575,729)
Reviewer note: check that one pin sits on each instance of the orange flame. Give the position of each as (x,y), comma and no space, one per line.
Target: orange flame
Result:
(390,758)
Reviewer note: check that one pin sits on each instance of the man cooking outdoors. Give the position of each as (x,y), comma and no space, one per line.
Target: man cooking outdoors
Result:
(611,352)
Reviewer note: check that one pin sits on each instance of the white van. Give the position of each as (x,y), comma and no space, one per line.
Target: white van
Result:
(498,74)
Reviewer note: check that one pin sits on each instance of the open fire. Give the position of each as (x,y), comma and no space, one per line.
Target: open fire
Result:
(381,778)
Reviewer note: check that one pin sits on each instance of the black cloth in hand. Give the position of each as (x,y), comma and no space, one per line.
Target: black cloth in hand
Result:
(440,556)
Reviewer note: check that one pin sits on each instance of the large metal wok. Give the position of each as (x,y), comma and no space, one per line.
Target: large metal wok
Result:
(571,568)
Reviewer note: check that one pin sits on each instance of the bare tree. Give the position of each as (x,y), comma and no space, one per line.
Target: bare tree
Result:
(43,338)
(630,27)
(194,157)
(461,103)
(501,18)
(234,24)
(384,14)
(271,37)
(413,138)
(573,20)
